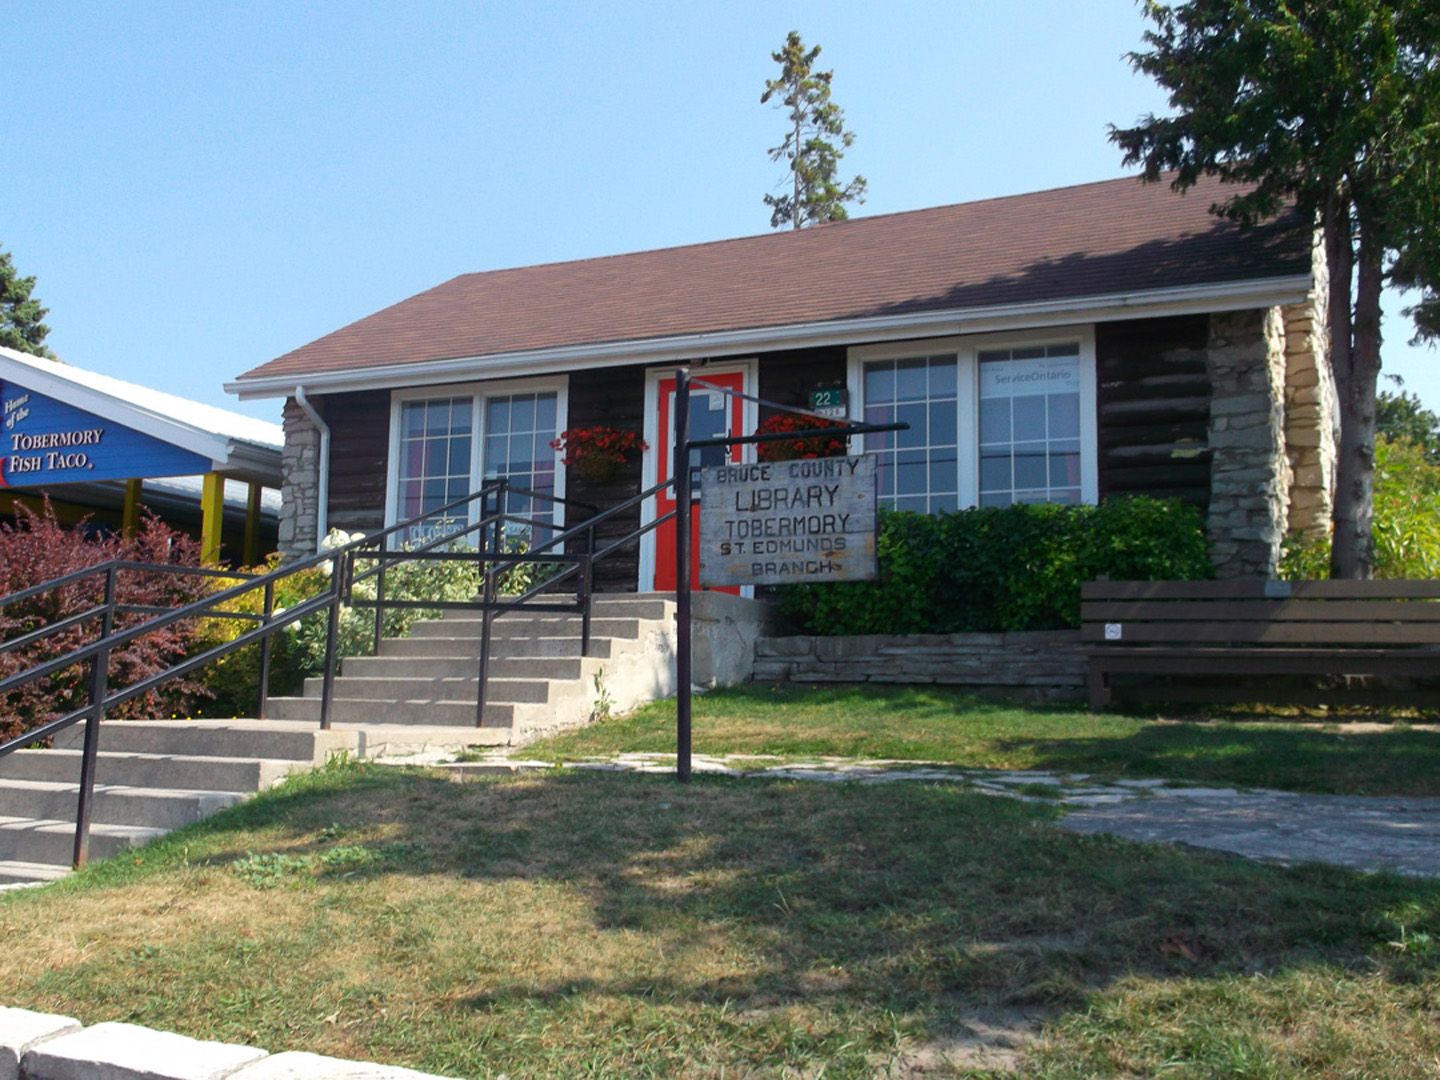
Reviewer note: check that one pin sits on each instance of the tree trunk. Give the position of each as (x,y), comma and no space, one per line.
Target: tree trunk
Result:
(1352,553)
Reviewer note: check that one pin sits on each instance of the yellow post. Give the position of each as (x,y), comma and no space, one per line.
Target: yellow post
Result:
(130,514)
(252,525)
(212,518)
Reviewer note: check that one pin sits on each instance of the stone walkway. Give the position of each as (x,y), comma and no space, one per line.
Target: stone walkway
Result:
(1371,833)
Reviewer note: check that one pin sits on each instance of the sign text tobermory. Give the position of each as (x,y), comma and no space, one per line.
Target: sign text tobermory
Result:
(783,522)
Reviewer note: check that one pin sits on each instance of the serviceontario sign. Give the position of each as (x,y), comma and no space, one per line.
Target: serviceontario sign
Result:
(783,522)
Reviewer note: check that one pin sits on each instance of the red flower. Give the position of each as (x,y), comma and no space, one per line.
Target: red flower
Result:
(790,449)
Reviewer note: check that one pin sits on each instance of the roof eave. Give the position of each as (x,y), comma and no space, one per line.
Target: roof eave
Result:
(1151,303)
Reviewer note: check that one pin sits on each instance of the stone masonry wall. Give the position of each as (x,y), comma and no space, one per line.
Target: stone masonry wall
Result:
(1249,470)
(1311,408)
(299,484)
(1045,665)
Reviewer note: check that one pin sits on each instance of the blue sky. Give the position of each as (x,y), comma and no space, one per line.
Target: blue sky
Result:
(200,186)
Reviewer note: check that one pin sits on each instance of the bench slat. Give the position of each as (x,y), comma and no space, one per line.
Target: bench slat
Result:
(1279,610)
(1258,589)
(1259,662)
(1269,633)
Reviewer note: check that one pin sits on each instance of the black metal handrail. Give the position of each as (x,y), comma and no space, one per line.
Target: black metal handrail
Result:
(490,554)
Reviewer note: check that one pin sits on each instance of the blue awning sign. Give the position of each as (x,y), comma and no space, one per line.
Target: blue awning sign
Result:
(47,441)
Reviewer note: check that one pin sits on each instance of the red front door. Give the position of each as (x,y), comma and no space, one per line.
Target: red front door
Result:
(711,413)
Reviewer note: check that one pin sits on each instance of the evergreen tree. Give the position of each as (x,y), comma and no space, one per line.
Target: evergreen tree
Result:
(814,144)
(21,327)
(1332,106)
(1402,416)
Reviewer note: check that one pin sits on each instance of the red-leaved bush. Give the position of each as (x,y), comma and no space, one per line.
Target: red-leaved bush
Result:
(37,549)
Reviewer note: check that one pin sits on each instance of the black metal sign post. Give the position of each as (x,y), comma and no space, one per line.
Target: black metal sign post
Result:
(680,470)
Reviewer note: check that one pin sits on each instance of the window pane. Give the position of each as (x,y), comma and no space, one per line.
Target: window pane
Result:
(1064,470)
(460,457)
(914,415)
(995,472)
(910,380)
(412,419)
(1064,416)
(1001,498)
(942,377)
(880,383)
(942,424)
(942,475)
(1030,469)
(915,503)
(1029,418)
(995,420)
(497,414)
(545,406)
(1030,352)
(522,412)
(910,478)
(943,504)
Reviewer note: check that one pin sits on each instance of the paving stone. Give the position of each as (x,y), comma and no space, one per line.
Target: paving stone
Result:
(128,1052)
(21,1029)
(297,1065)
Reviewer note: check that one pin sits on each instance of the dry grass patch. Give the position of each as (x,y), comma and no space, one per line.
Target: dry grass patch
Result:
(619,926)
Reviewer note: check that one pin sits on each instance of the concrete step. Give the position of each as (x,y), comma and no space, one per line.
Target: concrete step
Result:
(528,627)
(501,667)
(155,808)
(435,688)
(190,772)
(562,645)
(52,841)
(273,740)
(371,711)
(14,872)
(606,606)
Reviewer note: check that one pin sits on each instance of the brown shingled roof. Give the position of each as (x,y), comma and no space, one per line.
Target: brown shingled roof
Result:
(1092,240)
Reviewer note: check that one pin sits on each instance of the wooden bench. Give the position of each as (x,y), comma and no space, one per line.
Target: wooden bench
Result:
(1313,630)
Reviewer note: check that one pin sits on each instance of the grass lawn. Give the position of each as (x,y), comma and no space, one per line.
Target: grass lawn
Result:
(940,725)
(562,925)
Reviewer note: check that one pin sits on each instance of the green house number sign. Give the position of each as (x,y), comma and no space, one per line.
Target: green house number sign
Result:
(831,401)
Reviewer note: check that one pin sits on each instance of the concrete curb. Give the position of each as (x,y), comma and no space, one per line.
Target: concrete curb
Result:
(39,1046)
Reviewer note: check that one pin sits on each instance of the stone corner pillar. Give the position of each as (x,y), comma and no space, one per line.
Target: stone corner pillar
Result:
(299,484)
(1249,470)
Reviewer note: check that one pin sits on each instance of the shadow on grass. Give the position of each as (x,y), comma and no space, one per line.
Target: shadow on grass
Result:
(1391,762)
(942,890)
(922,902)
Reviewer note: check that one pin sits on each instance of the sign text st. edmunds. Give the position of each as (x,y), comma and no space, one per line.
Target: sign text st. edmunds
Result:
(781,522)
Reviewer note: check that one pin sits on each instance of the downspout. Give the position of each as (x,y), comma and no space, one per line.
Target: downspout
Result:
(322,492)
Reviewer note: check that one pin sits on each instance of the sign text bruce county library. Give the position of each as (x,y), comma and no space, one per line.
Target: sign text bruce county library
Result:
(781,522)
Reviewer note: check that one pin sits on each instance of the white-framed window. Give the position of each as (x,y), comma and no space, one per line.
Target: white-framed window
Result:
(994,419)
(445,442)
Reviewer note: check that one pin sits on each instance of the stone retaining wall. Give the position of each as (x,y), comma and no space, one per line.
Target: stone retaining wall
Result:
(1040,665)
(39,1046)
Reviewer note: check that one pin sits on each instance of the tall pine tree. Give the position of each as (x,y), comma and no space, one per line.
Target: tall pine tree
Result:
(21,327)
(814,143)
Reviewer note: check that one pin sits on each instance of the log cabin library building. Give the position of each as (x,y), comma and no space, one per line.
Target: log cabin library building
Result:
(1067,345)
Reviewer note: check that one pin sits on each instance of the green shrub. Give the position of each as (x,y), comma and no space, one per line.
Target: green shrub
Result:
(1406,524)
(300,650)
(1011,568)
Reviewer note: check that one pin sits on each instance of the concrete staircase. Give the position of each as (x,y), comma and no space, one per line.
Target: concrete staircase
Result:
(418,695)
(538,681)
(151,777)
